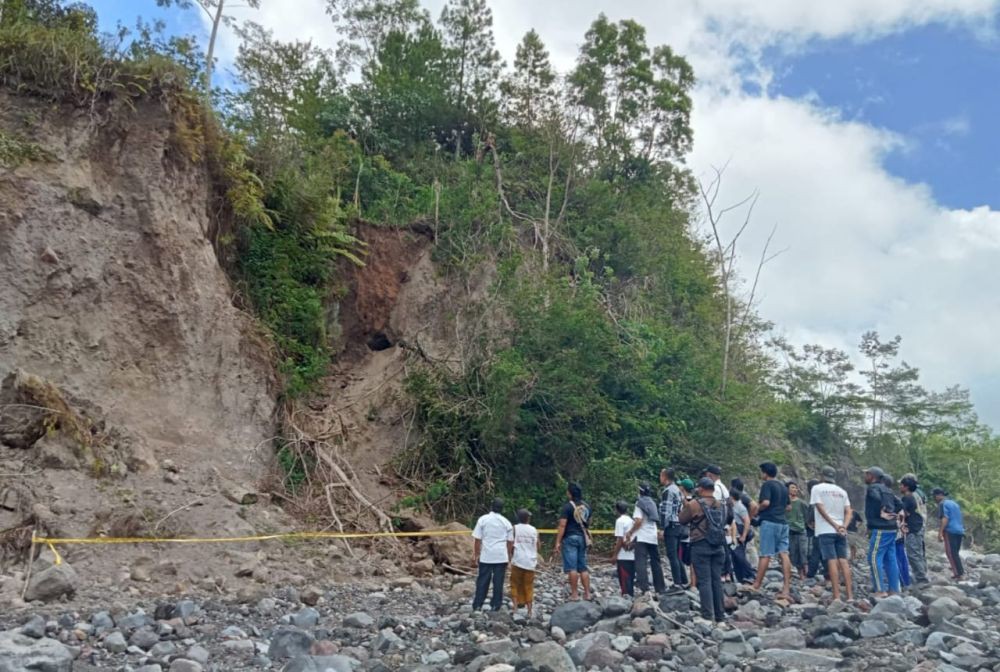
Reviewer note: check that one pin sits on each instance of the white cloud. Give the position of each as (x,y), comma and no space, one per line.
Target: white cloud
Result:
(866,250)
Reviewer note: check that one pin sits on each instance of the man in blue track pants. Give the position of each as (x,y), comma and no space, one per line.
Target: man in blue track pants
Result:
(880,516)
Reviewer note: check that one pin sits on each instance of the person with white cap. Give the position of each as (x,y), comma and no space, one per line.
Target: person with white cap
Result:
(832,513)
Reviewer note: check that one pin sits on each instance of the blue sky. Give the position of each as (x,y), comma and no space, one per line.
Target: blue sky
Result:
(872,145)
(934,85)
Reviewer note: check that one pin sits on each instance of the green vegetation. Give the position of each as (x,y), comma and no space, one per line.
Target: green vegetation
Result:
(610,345)
(15,150)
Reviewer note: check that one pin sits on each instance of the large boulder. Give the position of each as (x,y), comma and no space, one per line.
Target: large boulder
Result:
(579,648)
(454,549)
(908,607)
(52,583)
(289,642)
(786,638)
(19,652)
(572,617)
(941,609)
(550,655)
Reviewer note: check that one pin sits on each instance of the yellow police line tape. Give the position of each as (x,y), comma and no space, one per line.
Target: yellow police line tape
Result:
(51,542)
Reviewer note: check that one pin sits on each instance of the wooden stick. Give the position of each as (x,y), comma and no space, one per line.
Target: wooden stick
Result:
(31,552)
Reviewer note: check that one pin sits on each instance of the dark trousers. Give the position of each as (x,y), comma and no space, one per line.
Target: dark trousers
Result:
(952,546)
(742,569)
(489,573)
(626,576)
(816,564)
(707,561)
(672,546)
(647,557)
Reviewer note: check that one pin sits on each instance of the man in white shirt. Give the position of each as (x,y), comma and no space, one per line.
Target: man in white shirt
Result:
(721,492)
(833,513)
(623,555)
(647,549)
(494,543)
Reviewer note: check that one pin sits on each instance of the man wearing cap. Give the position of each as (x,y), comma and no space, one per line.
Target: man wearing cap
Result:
(952,531)
(880,517)
(832,513)
(719,489)
(773,528)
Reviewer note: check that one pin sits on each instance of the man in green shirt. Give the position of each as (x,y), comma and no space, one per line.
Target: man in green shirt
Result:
(798,544)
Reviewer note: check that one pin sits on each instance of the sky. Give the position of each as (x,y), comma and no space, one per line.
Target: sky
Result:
(867,127)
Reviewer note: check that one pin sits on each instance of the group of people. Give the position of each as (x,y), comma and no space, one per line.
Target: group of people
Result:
(707,530)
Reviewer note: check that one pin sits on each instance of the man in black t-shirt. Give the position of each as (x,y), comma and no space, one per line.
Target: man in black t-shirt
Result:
(573,539)
(915,511)
(773,501)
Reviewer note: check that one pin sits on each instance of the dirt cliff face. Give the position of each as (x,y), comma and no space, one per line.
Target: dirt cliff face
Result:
(110,290)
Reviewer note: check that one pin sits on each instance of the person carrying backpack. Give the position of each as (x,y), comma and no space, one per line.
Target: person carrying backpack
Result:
(647,550)
(573,540)
(708,518)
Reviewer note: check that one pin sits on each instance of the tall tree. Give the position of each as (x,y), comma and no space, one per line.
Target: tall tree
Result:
(530,90)
(467,26)
(215,10)
(368,25)
(636,102)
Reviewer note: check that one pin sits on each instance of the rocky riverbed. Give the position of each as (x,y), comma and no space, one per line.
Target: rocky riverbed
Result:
(407,623)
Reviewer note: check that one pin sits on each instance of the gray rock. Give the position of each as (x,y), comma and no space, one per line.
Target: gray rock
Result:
(908,607)
(941,609)
(18,652)
(802,659)
(52,583)
(572,617)
(497,645)
(438,657)
(622,643)
(603,659)
(646,652)
(34,628)
(359,620)
(692,654)
(144,638)
(616,606)
(153,667)
(306,617)
(751,611)
(786,638)
(943,641)
(914,636)
(184,665)
(289,642)
(579,648)
(163,650)
(115,642)
(551,655)
(241,647)
(873,627)
(387,641)
(335,663)
(198,653)
(558,633)
(102,622)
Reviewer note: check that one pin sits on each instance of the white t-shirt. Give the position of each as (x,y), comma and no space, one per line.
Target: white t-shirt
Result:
(647,532)
(494,531)
(834,499)
(525,546)
(721,492)
(622,526)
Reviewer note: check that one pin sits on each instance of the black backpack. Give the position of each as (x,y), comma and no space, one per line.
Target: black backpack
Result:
(715,526)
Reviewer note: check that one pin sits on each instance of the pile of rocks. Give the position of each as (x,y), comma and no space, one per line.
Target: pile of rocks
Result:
(411,624)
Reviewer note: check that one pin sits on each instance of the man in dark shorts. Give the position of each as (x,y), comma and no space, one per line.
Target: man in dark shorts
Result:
(833,511)
(572,541)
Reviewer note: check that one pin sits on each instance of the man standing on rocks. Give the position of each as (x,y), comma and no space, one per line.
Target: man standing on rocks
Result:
(773,529)
(647,550)
(798,544)
(915,512)
(832,509)
(952,531)
(494,542)
(708,518)
(880,517)
(573,540)
(671,502)
(742,533)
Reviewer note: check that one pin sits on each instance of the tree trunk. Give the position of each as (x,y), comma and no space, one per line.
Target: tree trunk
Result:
(210,57)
